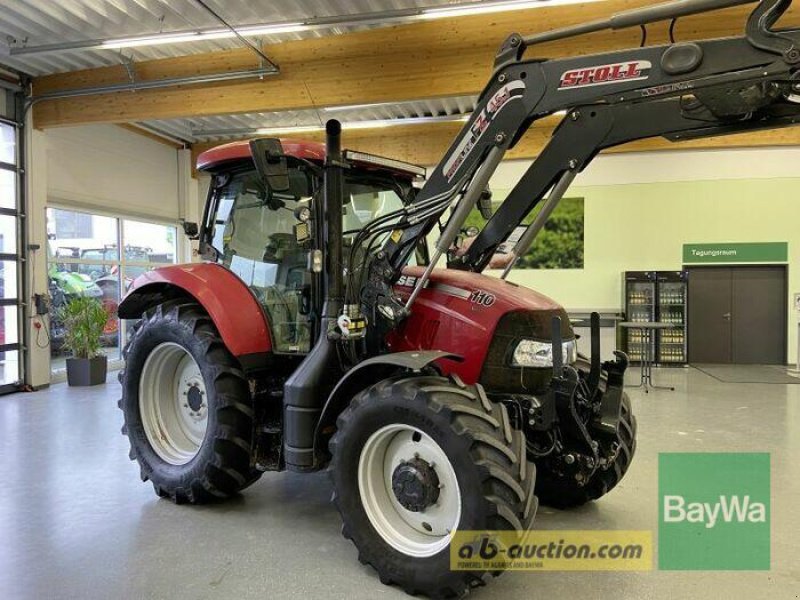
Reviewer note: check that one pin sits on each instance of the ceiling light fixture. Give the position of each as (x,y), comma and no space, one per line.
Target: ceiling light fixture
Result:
(370,124)
(347,126)
(357,106)
(398,16)
(492,7)
(202,36)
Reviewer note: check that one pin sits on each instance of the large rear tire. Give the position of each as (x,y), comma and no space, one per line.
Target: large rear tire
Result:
(417,457)
(187,407)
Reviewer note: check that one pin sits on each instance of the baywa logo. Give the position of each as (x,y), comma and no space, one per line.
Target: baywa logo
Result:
(714,511)
(729,508)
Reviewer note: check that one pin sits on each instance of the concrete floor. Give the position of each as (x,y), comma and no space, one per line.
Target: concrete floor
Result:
(76,522)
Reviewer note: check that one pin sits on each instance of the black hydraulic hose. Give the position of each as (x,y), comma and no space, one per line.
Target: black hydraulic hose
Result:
(670,10)
(636,18)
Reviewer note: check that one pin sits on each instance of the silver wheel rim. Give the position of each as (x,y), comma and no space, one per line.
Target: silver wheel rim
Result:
(173,403)
(418,534)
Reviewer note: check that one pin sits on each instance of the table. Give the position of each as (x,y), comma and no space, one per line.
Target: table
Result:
(647,328)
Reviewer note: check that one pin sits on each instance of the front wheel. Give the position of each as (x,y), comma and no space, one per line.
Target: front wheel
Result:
(187,407)
(414,459)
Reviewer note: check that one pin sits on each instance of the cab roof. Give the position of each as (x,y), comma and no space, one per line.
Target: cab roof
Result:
(313,151)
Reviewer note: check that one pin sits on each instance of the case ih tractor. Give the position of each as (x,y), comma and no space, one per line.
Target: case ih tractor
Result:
(319,332)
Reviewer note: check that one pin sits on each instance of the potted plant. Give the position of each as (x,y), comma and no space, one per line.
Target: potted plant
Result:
(84,320)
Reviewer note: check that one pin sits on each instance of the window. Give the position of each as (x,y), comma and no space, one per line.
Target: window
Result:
(10,274)
(8,189)
(72,225)
(368,201)
(147,246)
(253,234)
(8,144)
(84,259)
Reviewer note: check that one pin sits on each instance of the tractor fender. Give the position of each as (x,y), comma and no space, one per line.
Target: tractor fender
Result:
(369,372)
(235,311)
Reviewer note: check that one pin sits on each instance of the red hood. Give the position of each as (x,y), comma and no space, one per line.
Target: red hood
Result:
(513,296)
(459,312)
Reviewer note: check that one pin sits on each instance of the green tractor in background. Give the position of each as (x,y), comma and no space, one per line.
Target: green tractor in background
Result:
(65,285)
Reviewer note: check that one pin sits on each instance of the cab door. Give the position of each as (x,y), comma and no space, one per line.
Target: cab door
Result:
(251,231)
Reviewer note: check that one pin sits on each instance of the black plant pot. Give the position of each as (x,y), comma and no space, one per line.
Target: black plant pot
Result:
(87,371)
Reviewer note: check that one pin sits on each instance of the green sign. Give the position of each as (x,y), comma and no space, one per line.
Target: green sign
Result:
(714,511)
(736,252)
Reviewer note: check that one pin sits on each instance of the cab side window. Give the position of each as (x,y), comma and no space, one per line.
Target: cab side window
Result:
(253,234)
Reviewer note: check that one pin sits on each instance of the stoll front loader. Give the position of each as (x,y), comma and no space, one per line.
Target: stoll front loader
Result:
(318,332)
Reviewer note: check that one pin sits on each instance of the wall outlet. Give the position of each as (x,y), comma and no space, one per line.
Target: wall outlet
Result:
(42,304)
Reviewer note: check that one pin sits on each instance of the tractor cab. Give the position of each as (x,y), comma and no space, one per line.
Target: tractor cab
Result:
(261,227)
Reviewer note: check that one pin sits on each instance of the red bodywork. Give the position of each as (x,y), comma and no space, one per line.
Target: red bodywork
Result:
(458,312)
(230,304)
(312,151)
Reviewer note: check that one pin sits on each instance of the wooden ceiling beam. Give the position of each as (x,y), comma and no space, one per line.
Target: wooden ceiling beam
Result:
(427,59)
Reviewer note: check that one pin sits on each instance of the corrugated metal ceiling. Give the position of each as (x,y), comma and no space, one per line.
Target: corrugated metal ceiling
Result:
(31,23)
(39,22)
(224,126)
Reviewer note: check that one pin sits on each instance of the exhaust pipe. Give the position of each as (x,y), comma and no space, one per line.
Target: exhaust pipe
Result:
(306,390)
(334,200)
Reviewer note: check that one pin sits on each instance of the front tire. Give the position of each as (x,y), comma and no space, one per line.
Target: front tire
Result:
(187,407)
(417,457)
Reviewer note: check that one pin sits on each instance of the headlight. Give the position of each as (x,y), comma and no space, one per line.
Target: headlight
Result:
(530,353)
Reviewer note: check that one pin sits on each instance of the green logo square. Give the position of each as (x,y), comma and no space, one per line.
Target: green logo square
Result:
(714,511)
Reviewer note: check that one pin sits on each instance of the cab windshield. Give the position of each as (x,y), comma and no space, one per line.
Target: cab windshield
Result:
(250,228)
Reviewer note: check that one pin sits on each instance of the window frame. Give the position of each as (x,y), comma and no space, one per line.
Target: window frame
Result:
(120,262)
(16,257)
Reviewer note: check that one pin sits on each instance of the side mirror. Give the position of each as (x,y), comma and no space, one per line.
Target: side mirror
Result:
(191,230)
(270,163)
(485,204)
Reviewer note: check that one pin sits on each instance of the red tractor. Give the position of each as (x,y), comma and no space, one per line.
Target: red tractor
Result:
(319,332)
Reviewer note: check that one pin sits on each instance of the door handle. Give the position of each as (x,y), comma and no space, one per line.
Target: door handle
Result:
(727,316)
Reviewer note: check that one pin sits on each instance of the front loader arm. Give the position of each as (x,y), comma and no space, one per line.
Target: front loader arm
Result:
(677,91)
(587,129)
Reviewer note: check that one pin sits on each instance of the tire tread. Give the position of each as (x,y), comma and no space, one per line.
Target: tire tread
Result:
(228,469)
(497,451)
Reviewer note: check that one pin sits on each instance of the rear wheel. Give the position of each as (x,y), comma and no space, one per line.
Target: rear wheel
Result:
(187,407)
(414,459)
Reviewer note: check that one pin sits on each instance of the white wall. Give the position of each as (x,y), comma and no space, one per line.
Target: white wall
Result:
(675,165)
(110,168)
(641,208)
(105,169)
